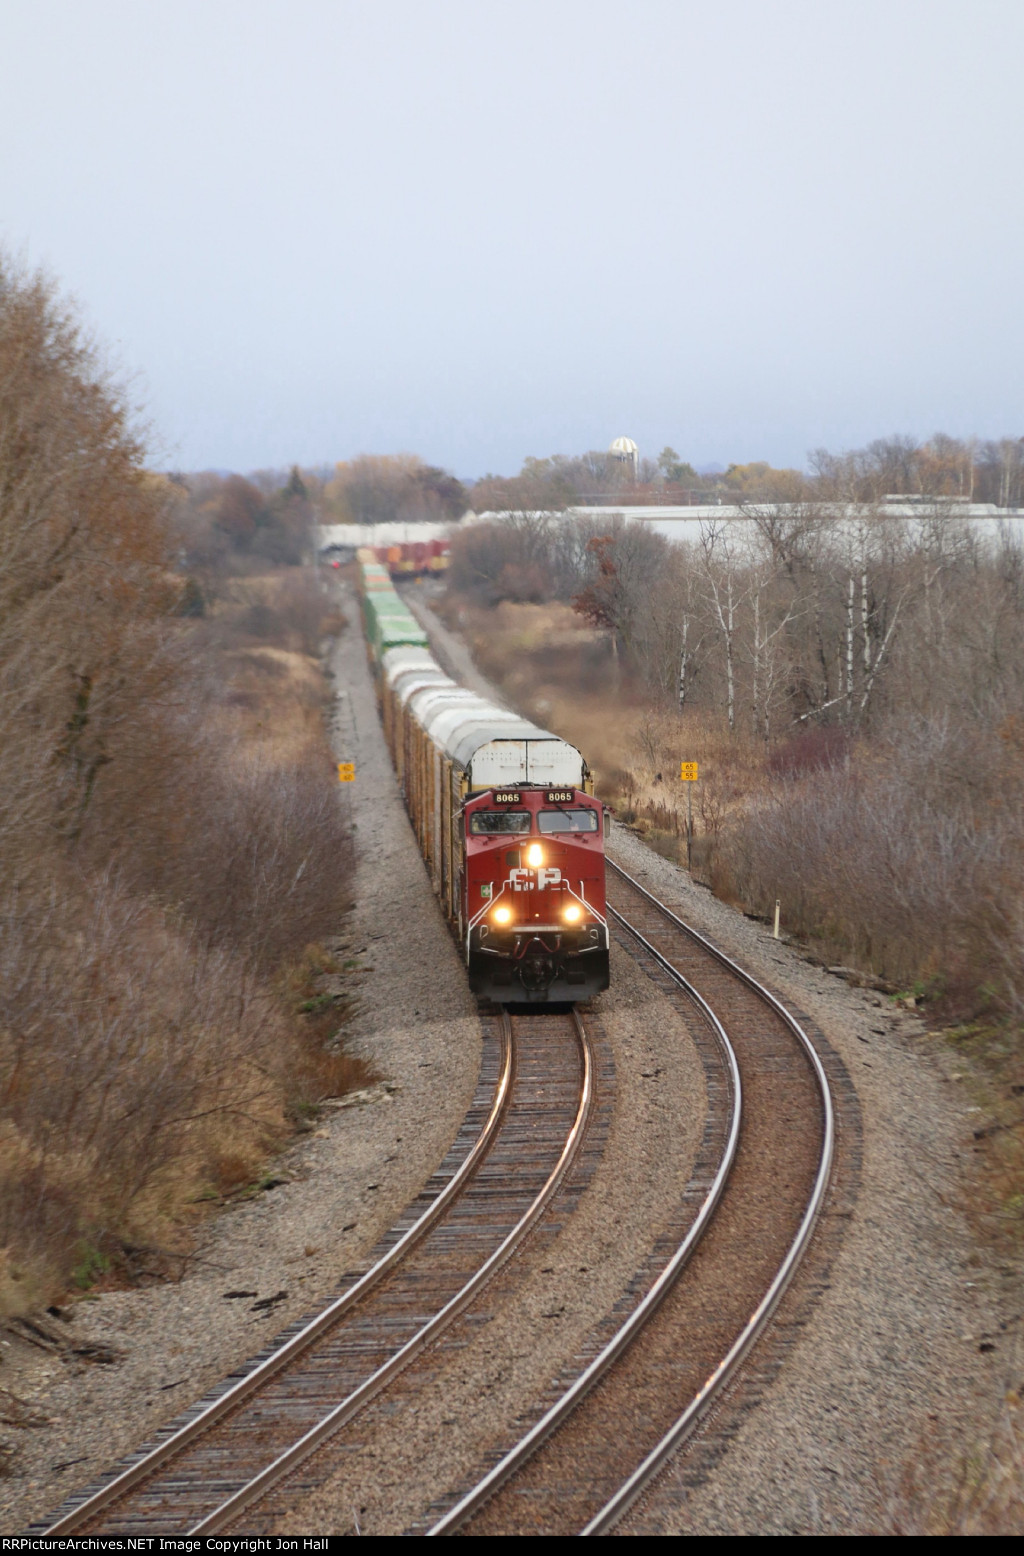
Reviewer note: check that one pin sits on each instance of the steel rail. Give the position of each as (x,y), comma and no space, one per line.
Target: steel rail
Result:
(623,1337)
(632,1488)
(361,1396)
(301,1341)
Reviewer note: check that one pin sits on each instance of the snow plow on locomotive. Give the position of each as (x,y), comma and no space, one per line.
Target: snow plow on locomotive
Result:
(505,817)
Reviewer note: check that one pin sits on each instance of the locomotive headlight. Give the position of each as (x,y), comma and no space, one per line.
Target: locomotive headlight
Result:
(502,915)
(535,856)
(573,913)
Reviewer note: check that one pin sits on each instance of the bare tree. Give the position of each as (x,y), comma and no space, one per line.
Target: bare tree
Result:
(721,565)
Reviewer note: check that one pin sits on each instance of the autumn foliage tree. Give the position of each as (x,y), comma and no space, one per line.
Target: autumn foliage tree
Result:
(157,880)
(375,489)
(602,601)
(237,524)
(84,586)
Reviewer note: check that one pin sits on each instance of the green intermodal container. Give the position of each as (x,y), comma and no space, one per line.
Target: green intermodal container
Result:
(390,625)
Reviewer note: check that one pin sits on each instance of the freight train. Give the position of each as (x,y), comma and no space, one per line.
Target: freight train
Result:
(402,558)
(504,814)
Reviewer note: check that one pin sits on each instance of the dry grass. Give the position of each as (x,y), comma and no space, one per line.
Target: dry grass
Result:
(267,629)
(126,1053)
(558,671)
(988,1056)
(167,1010)
(562,673)
(287,608)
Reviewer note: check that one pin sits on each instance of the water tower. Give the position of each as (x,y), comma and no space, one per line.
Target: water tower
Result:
(625,452)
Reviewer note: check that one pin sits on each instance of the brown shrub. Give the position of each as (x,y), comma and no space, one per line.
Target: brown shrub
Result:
(265,866)
(902,862)
(124,1049)
(809,750)
(288,609)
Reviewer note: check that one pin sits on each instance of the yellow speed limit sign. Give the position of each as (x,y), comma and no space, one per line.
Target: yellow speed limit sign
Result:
(688,772)
(346,772)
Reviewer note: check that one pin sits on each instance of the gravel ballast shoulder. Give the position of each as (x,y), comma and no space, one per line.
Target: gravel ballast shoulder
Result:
(910,1349)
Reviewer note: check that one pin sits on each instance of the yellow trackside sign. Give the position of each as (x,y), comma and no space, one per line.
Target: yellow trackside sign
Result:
(688,772)
(346,772)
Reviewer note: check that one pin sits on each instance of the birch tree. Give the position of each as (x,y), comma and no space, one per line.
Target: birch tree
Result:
(720,563)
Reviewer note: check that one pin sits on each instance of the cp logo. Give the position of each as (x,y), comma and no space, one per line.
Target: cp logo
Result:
(530,880)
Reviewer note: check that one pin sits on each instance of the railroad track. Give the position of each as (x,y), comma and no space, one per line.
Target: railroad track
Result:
(590,1461)
(247,1458)
(238,1454)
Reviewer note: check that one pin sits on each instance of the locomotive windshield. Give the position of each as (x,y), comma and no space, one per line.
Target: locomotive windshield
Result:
(567,820)
(491,823)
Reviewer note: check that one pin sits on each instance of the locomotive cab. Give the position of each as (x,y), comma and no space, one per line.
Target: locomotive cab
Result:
(534,907)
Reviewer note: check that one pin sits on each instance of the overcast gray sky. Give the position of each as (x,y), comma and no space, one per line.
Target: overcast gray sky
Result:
(491,229)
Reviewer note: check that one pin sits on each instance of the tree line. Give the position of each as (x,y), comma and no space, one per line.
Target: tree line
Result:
(968,469)
(162,869)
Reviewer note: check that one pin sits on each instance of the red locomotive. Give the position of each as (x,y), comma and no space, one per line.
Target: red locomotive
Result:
(506,820)
(534,909)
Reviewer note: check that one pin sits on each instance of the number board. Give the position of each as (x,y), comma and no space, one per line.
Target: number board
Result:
(346,772)
(507,797)
(688,772)
(560,796)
